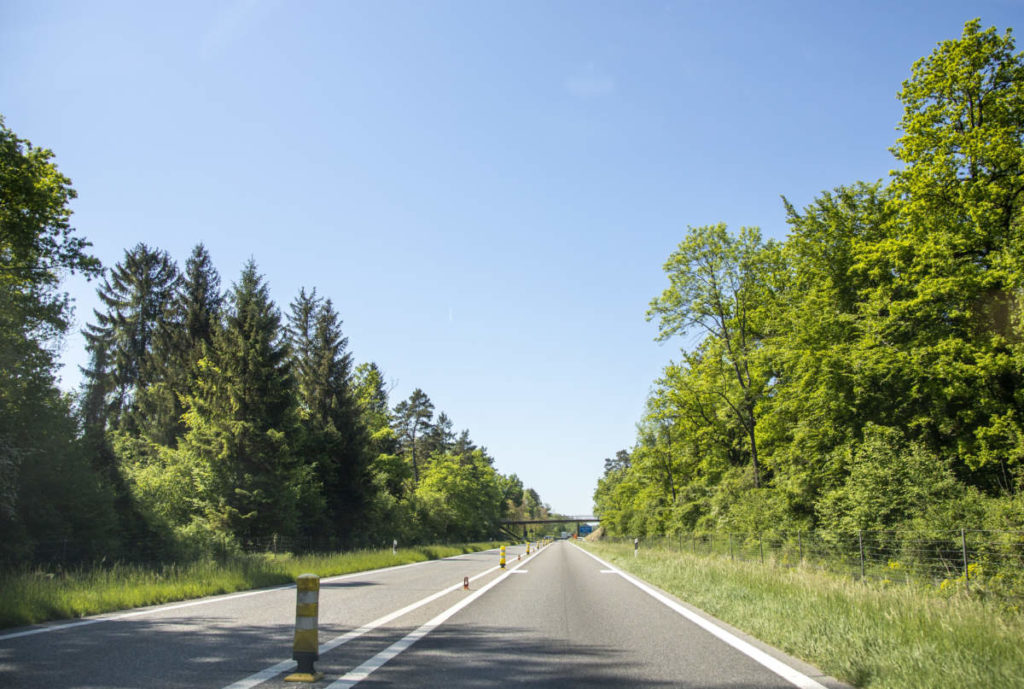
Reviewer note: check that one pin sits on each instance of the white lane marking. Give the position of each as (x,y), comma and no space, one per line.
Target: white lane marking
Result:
(137,613)
(274,670)
(784,671)
(207,601)
(360,673)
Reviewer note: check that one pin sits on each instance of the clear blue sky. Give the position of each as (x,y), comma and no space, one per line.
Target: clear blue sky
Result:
(487,190)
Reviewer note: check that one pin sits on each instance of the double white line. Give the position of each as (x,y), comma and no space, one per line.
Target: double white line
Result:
(357,675)
(360,673)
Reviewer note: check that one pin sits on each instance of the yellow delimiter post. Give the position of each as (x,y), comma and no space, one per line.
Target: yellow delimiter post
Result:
(527,547)
(306,648)
(501,562)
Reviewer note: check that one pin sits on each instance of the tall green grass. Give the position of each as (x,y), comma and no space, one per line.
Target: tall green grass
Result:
(29,597)
(869,634)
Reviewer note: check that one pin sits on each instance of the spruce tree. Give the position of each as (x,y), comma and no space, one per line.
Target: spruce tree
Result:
(334,436)
(241,420)
(136,295)
(192,318)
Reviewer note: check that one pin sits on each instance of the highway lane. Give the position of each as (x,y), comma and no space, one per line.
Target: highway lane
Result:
(555,619)
(223,639)
(564,620)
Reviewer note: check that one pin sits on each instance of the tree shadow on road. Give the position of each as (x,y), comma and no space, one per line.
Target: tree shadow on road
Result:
(129,654)
(474,657)
(173,652)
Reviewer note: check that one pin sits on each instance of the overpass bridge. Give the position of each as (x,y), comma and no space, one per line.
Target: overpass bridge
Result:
(578,520)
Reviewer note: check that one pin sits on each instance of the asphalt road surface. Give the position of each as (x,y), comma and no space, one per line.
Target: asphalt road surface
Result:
(557,618)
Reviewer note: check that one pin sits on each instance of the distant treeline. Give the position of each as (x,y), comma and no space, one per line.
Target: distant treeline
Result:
(207,420)
(868,371)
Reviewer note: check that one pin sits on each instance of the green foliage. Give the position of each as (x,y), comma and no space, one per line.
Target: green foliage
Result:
(31,597)
(136,295)
(461,497)
(52,504)
(186,327)
(242,420)
(204,426)
(889,481)
(723,287)
(868,372)
(334,441)
(412,419)
(950,303)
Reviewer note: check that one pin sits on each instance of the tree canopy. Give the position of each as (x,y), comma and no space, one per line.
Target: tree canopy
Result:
(866,372)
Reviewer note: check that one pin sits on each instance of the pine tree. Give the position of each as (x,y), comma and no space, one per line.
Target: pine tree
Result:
(412,418)
(439,438)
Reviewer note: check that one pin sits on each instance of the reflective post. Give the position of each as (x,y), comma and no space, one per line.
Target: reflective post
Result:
(306,646)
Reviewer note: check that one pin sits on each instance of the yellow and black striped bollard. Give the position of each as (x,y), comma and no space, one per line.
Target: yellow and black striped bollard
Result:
(306,647)
(501,562)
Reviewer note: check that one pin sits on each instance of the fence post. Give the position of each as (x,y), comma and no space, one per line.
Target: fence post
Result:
(731,556)
(800,542)
(693,534)
(760,546)
(711,544)
(963,549)
(860,543)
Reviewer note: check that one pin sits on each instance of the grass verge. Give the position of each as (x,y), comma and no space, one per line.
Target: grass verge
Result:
(29,597)
(868,634)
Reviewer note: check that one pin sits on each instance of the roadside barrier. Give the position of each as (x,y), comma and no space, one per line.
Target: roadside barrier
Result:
(501,562)
(306,647)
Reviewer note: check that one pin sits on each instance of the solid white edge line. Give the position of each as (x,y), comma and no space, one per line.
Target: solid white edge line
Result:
(774,664)
(138,613)
(212,599)
(357,675)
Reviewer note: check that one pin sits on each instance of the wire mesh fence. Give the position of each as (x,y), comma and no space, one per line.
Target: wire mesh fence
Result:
(991,561)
